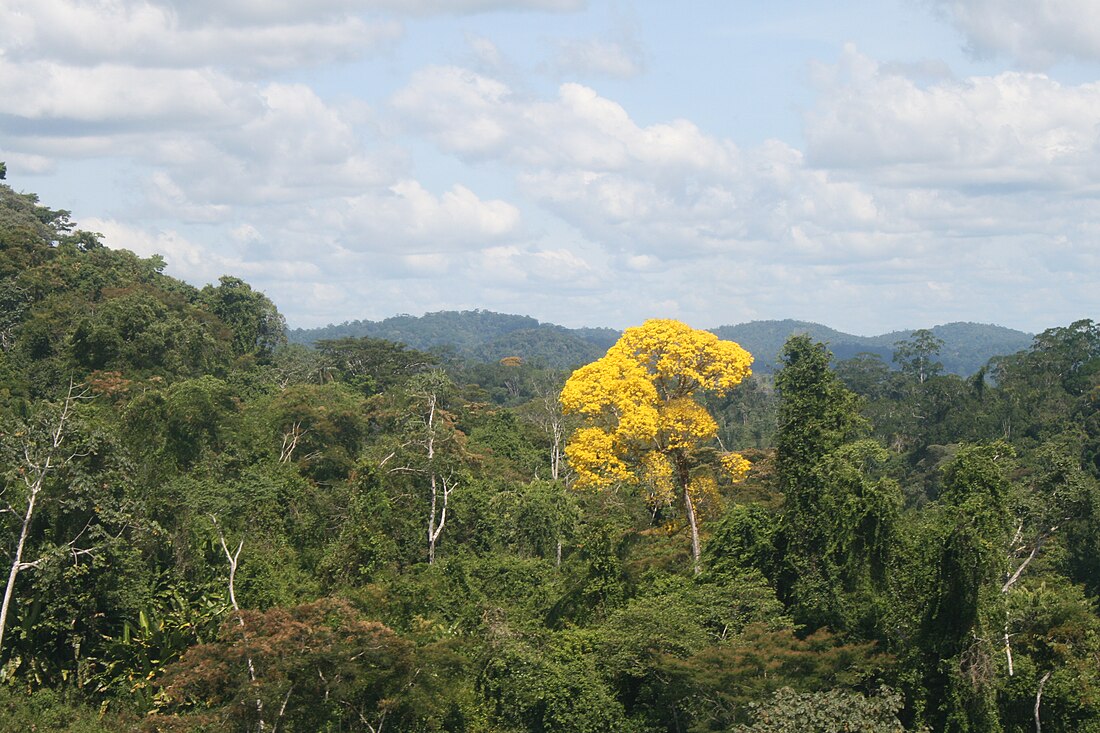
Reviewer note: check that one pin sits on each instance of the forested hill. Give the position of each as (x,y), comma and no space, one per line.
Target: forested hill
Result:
(966,346)
(479,335)
(483,335)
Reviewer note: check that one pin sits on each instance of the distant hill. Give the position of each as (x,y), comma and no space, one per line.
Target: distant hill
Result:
(478,334)
(967,346)
(487,336)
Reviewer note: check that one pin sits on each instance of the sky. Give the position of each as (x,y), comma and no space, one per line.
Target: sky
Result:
(873,165)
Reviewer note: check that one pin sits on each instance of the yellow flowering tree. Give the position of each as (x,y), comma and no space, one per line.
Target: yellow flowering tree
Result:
(643,419)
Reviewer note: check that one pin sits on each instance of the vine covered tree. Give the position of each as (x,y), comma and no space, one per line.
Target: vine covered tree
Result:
(644,419)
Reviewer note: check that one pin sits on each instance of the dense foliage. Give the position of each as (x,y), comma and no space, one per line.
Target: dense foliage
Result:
(476,335)
(207,529)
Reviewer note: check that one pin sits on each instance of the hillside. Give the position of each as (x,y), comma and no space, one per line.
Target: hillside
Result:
(482,335)
(478,335)
(966,346)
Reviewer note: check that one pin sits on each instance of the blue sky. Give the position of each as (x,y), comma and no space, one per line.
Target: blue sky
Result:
(868,165)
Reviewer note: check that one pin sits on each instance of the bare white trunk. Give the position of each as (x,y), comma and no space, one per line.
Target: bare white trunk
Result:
(282,710)
(17,562)
(433,532)
(557,436)
(1011,578)
(36,470)
(695,551)
(551,420)
(233,558)
(1038,700)
(436,528)
(290,442)
(689,510)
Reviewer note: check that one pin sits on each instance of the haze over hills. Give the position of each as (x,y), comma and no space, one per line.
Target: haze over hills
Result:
(966,346)
(487,336)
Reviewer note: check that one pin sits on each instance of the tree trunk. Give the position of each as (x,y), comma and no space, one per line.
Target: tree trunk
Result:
(689,510)
(17,561)
(695,552)
(1038,700)
(233,558)
(433,531)
(557,434)
(36,469)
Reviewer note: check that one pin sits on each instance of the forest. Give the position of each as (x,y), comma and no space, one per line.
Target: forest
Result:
(206,527)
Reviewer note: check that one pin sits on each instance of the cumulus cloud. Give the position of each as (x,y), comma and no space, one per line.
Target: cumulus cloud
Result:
(119,98)
(484,50)
(192,259)
(252,36)
(341,208)
(1009,130)
(476,116)
(667,188)
(296,149)
(151,33)
(903,171)
(1035,33)
(413,220)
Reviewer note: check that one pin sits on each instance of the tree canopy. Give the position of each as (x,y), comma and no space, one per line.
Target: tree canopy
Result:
(205,529)
(642,407)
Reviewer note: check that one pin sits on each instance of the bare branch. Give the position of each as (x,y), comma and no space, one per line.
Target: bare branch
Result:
(1039,542)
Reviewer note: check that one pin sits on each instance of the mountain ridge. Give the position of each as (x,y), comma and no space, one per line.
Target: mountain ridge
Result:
(484,335)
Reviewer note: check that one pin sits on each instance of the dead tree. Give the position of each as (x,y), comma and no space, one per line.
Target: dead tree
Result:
(37,463)
(233,558)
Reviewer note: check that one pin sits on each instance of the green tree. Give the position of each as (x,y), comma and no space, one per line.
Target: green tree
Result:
(839,509)
(964,611)
(423,447)
(33,454)
(255,323)
(817,414)
(373,365)
(917,355)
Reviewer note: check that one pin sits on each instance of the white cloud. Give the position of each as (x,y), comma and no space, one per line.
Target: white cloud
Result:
(156,34)
(900,176)
(665,192)
(260,153)
(476,116)
(296,149)
(459,108)
(110,98)
(185,258)
(1035,33)
(668,189)
(1009,130)
(252,36)
(409,219)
